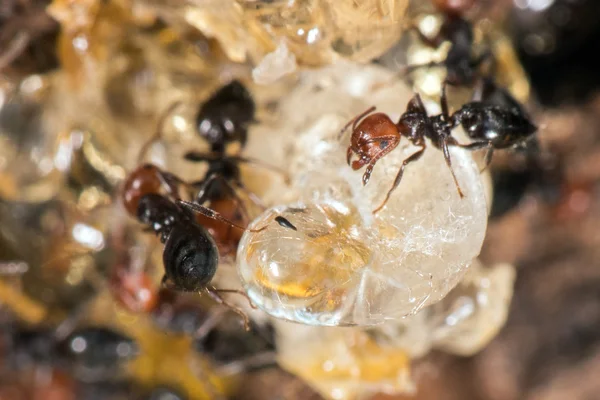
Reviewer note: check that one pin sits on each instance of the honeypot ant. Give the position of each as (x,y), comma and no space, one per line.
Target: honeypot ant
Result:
(490,126)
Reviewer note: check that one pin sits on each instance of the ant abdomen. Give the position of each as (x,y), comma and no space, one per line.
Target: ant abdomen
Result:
(190,257)
(503,127)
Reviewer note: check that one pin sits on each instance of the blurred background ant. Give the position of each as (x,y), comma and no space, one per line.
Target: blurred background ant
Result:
(491,127)
(90,353)
(464,65)
(224,118)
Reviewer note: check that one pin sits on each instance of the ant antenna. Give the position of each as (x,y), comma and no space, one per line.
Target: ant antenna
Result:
(159,130)
(207,212)
(355,120)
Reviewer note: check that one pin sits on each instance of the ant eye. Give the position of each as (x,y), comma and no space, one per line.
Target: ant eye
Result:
(383,144)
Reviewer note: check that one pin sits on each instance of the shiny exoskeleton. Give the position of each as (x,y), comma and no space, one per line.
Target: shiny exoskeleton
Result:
(190,256)
(489,126)
(225,117)
(90,352)
(493,127)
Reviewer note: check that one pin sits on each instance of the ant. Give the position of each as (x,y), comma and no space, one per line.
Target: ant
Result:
(191,255)
(91,352)
(225,116)
(462,66)
(490,126)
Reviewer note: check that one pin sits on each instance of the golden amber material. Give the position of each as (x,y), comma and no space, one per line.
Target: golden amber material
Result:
(315,31)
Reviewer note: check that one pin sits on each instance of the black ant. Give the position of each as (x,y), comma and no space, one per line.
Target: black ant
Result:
(225,116)
(491,127)
(218,188)
(190,256)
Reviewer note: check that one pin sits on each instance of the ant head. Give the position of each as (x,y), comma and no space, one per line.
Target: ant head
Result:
(454,7)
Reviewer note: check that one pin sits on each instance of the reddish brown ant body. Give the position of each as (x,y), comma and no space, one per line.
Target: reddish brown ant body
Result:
(146,179)
(490,126)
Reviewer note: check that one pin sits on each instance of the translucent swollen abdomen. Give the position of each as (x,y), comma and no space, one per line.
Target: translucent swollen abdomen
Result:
(190,257)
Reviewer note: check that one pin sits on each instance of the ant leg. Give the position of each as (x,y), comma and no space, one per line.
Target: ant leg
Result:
(203,187)
(261,164)
(158,134)
(444,102)
(355,120)
(251,195)
(171,182)
(394,141)
(449,163)
(416,104)
(413,157)
(487,159)
(200,209)
(196,156)
(208,324)
(214,294)
(476,146)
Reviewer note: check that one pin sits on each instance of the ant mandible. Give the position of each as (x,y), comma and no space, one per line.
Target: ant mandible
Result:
(490,126)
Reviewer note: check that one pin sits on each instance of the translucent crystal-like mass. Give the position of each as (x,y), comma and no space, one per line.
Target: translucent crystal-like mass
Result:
(343,265)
